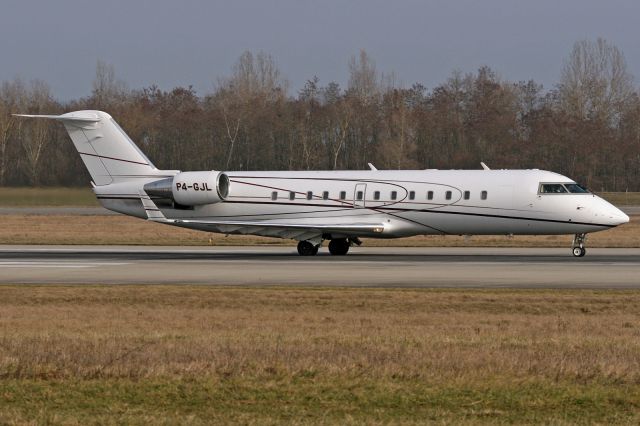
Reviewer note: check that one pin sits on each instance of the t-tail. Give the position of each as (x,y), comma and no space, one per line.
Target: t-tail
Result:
(108,153)
(118,169)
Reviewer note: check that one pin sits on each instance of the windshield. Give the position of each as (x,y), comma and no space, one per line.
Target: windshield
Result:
(576,188)
(562,188)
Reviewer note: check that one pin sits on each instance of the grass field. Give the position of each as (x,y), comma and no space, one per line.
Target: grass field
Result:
(32,229)
(194,355)
(47,197)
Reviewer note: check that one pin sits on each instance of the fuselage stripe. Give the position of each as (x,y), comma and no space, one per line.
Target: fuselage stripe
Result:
(112,158)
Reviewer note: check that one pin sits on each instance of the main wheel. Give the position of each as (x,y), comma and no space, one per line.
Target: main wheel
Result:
(339,246)
(579,251)
(305,248)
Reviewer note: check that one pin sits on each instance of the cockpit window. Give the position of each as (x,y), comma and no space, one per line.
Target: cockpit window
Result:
(562,188)
(552,188)
(576,188)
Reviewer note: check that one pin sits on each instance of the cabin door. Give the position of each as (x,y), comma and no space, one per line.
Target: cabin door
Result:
(359,195)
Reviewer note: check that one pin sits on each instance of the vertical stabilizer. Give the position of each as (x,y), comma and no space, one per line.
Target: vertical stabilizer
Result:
(106,150)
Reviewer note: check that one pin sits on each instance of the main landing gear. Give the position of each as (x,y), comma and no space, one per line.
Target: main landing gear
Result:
(337,246)
(577,247)
(305,248)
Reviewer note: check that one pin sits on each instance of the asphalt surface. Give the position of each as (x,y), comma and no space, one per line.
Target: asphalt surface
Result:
(375,267)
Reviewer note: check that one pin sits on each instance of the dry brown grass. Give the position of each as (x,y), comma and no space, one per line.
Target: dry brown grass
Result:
(92,354)
(621,198)
(182,331)
(36,229)
(51,197)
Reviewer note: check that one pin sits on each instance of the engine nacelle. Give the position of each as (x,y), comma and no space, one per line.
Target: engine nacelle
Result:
(191,188)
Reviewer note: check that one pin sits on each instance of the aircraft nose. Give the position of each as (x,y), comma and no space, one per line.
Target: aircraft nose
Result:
(621,217)
(611,214)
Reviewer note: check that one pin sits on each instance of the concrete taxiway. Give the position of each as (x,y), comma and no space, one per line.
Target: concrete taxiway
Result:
(363,266)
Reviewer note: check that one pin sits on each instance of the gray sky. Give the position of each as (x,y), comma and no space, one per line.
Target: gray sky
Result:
(182,42)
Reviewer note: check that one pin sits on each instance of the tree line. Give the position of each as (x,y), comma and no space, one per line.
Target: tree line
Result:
(587,126)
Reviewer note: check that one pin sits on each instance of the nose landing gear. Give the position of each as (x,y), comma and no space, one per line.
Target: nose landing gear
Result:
(577,247)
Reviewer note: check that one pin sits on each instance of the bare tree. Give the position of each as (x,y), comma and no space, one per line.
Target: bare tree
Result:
(363,77)
(107,89)
(595,82)
(339,131)
(12,95)
(396,146)
(256,76)
(37,131)
(231,134)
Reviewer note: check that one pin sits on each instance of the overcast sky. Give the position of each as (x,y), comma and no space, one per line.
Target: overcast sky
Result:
(183,42)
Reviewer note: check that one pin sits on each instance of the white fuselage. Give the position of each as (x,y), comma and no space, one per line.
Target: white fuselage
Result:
(407,202)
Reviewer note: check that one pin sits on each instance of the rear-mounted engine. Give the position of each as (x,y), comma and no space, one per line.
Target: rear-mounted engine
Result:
(191,188)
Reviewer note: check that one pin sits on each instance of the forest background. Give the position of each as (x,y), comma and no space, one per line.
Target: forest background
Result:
(587,126)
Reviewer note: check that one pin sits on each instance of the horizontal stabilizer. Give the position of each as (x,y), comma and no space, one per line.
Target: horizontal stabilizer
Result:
(83,117)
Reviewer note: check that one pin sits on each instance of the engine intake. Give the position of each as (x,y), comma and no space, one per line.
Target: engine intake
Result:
(191,188)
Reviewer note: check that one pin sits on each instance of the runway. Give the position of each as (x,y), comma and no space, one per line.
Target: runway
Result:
(362,267)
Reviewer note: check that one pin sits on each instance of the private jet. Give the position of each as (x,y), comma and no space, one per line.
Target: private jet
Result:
(340,207)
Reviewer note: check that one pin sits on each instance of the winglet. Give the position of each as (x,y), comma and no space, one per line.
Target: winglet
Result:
(484,166)
(372,167)
(153,212)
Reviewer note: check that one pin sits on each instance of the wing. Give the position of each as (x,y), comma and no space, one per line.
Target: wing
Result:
(269,228)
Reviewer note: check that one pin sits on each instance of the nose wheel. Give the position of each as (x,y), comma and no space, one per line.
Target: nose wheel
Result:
(577,247)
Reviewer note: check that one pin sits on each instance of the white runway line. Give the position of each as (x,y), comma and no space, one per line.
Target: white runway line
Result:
(68,265)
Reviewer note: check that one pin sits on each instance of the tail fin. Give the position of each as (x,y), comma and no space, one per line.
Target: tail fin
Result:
(106,150)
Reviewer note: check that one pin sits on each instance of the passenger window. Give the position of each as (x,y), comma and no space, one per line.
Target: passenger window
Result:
(359,196)
(274,195)
(343,195)
(447,195)
(394,195)
(412,195)
(376,195)
(483,195)
(430,195)
(292,195)
(467,195)
(309,195)
(325,195)
(552,188)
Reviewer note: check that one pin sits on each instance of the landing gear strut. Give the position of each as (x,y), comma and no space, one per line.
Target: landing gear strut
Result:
(578,245)
(339,246)
(305,248)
